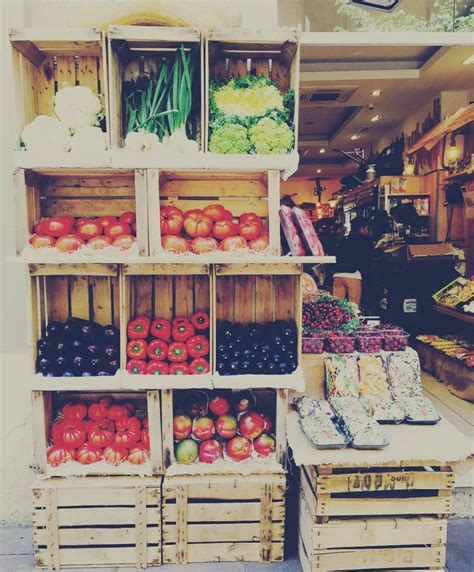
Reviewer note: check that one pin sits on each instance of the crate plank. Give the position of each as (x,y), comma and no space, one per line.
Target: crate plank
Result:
(99,556)
(231,532)
(245,511)
(223,552)
(374,506)
(79,288)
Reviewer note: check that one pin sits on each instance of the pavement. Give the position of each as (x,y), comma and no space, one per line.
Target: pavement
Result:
(16,554)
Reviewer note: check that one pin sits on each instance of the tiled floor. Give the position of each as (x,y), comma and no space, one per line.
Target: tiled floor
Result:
(16,554)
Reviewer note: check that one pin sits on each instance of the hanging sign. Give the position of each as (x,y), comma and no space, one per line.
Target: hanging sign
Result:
(386,5)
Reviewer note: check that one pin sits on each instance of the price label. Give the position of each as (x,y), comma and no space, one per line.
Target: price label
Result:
(409,306)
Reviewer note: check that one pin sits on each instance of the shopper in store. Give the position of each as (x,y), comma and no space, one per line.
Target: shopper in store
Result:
(354,260)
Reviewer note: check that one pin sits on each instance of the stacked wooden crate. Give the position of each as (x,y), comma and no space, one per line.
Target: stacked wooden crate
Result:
(142,515)
(381,517)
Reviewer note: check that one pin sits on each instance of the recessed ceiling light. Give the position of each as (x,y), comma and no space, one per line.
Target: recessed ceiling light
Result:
(375,118)
(355,137)
(469,60)
(376,92)
(322,150)
(319,171)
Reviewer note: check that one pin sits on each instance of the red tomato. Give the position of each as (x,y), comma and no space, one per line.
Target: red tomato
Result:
(246,218)
(202,245)
(38,228)
(116,229)
(260,243)
(87,454)
(82,220)
(56,227)
(124,242)
(171,220)
(225,228)
(193,211)
(145,437)
(58,454)
(68,219)
(128,218)
(69,242)
(227,215)
(233,243)
(41,241)
(75,410)
(139,454)
(175,243)
(197,225)
(128,431)
(98,411)
(105,220)
(115,454)
(250,230)
(101,433)
(117,411)
(72,433)
(99,242)
(89,229)
(216,212)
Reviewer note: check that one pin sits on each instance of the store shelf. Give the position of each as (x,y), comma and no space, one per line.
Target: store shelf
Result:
(467,173)
(454,314)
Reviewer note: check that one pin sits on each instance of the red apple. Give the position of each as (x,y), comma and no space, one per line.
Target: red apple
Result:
(89,229)
(233,243)
(260,243)
(42,240)
(99,242)
(186,451)
(195,404)
(244,401)
(251,425)
(267,424)
(210,451)
(182,427)
(226,426)
(238,449)
(264,445)
(219,405)
(203,428)
(69,242)
(124,242)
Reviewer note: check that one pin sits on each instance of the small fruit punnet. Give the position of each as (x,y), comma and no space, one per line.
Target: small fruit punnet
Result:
(314,344)
(339,343)
(395,340)
(367,342)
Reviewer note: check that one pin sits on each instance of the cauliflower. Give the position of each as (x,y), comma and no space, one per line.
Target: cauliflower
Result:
(88,140)
(77,106)
(142,141)
(229,138)
(247,101)
(178,142)
(271,137)
(46,134)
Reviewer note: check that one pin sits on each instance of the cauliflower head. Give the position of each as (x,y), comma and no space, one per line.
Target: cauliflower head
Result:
(142,141)
(247,97)
(269,136)
(77,106)
(46,135)
(88,140)
(229,138)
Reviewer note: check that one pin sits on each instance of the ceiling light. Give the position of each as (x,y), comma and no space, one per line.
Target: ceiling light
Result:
(469,60)
(319,171)
(322,150)
(376,92)
(375,118)
(354,137)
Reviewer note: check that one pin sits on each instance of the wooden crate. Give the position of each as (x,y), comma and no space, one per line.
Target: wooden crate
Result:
(80,193)
(164,291)
(388,490)
(98,521)
(237,52)
(133,51)
(57,291)
(223,519)
(44,59)
(272,401)
(259,293)
(47,404)
(238,191)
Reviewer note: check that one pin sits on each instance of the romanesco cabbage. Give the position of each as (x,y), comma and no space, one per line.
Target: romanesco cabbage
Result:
(270,136)
(229,138)
(249,96)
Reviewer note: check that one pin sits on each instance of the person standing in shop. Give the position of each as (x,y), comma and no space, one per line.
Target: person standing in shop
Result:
(354,260)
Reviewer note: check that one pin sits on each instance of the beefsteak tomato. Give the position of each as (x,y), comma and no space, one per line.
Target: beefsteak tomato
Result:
(224,229)
(174,243)
(198,225)
(87,454)
(171,220)
(58,454)
(202,245)
(138,455)
(115,454)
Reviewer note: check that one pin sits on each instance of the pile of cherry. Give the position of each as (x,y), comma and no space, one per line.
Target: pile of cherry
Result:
(210,229)
(169,347)
(114,432)
(68,233)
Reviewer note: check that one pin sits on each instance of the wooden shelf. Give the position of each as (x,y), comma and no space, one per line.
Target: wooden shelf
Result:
(454,314)
(460,175)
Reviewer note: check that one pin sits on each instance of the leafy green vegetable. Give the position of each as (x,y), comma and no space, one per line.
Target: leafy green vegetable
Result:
(229,137)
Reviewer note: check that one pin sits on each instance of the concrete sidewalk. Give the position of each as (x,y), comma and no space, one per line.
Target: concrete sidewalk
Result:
(16,546)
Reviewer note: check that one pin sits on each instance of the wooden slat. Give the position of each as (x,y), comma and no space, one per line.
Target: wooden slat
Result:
(100,556)
(157,34)
(96,495)
(141,209)
(58,295)
(164,299)
(154,420)
(153,193)
(73,269)
(79,288)
(223,488)
(226,532)
(88,72)
(86,207)
(167,427)
(212,188)
(225,301)
(285,291)
(66,72)
(99,536)
(169,269)
(375,507)
(244,292)
(224,552)
(254,269)
(102,303)
(209,512)
(142,292)
(236,205)
(280,429)
(96,517)
(266,514)
(181,524)
(273,208)
(264,299)
(183,295)
(141,530)
(202,293)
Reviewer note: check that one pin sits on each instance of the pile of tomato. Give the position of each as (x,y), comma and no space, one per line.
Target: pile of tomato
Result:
(164,347)
(68,233)
(114,432)
(210,229)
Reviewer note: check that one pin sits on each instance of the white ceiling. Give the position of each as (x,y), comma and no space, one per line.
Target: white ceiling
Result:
(409,77)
